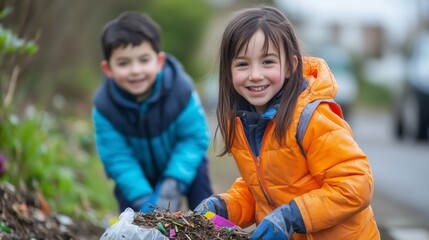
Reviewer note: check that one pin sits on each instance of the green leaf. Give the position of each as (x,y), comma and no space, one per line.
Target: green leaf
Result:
(10,43)
(6,11)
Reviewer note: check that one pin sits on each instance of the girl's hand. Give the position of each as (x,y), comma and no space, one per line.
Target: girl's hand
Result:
(213,204)
(275,225)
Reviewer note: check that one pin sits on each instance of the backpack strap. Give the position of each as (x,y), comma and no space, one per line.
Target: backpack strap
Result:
(306,116)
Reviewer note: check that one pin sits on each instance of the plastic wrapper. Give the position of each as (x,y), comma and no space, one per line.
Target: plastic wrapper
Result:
(124,229)
(218,221)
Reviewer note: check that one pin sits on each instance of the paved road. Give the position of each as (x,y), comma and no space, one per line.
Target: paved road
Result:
(400,169)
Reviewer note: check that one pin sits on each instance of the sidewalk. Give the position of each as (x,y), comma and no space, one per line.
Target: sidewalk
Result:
(398,222)
(403,233)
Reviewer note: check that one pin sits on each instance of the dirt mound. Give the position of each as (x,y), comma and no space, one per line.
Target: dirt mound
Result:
(25,215)
(188,225)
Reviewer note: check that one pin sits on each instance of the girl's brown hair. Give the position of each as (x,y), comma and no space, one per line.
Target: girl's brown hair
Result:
(278,31)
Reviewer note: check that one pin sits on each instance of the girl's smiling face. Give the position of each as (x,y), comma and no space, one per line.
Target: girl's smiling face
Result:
(258,75)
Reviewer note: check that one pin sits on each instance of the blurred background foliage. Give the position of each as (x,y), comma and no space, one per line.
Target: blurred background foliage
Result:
(66,67)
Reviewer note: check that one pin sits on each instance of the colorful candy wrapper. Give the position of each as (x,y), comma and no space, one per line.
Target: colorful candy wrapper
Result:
(219,221)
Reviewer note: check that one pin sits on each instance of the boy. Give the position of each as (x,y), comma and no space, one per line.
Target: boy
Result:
(150,129)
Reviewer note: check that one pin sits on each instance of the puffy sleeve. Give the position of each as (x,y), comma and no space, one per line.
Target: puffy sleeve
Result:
(240,203)
(193,138)
(341,168)
(118,159)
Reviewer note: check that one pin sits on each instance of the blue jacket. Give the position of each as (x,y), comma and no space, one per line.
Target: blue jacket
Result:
(166,135)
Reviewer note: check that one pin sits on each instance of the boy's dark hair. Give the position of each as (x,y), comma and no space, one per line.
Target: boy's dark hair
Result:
(129,28)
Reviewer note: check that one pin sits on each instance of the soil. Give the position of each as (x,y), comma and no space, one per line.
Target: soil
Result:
(26,215)
(188,225)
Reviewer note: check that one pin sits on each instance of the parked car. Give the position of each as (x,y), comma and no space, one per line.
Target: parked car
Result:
(411,105)
(340,63)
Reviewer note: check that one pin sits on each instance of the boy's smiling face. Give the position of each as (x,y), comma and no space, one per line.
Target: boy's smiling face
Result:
(134,68)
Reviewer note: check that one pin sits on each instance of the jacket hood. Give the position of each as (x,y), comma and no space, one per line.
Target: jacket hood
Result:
(322,83)
(171,71)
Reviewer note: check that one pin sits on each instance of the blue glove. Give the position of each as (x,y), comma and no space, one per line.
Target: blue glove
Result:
(146,203)
(170,194)
(213,204)
(276,225)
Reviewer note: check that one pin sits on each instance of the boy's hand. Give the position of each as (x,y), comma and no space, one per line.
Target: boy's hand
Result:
(170,194)
(275,225)
(146,203)
(213,204)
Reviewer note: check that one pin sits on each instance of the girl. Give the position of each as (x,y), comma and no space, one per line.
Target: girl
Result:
(293,186)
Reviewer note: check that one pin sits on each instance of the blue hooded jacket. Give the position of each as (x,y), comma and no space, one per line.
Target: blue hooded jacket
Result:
(166,135)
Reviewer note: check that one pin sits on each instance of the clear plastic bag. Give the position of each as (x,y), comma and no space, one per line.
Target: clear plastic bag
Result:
(124,229)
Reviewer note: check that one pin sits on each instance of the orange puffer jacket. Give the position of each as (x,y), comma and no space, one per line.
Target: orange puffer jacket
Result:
(332,185)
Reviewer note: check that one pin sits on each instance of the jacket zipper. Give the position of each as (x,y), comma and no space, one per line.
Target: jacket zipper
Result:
(151,149)
(258,160)
(267,197)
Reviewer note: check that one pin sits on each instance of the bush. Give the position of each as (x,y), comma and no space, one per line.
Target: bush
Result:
(52,156)
(39,156)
